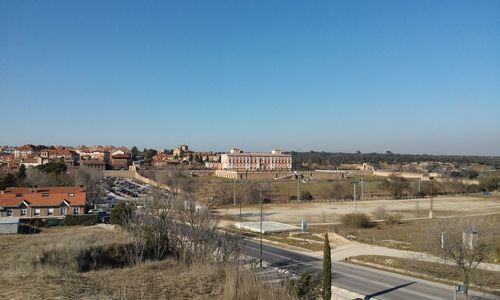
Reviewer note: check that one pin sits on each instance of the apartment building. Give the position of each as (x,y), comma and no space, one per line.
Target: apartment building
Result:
(25,202)
(237,160)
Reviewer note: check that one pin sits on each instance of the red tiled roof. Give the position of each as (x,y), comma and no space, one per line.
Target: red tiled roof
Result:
(25,147)
(54,196)
(92,162)
(120,156)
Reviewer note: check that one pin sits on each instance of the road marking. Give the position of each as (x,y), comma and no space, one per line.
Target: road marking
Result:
(257,247)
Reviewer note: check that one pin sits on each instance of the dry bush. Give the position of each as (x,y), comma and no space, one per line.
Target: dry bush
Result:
(355,220)
(241,284)
(393,219)
(173,224)
(380,213)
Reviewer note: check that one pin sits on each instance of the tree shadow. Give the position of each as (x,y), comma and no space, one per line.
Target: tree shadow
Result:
(367,297)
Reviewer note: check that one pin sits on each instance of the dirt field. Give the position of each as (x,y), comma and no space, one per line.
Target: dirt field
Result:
(329,212)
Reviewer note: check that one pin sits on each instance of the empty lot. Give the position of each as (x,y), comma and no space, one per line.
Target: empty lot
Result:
(328,212)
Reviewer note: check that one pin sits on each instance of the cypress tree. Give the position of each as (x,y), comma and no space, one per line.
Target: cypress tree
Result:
(327,270)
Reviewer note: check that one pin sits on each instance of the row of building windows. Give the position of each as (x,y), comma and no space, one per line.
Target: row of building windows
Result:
(50,211)
(254,160)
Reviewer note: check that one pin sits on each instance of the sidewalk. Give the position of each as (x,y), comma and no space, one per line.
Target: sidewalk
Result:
(340,253)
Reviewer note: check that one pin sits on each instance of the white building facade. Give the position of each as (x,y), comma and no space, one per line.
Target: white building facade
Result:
(237,160)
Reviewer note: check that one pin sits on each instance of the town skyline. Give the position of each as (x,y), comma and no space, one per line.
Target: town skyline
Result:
(173,146)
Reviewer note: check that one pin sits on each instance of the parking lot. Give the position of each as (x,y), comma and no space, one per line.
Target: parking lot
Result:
(119,190)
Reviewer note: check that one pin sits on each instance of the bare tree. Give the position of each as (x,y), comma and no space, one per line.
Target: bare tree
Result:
(249,192)
(175,224)
(35,177)
(464,243)
(211,194)
(341,190)
(91,179)
(136,246)
(177,179)
(397,185)
(201,237)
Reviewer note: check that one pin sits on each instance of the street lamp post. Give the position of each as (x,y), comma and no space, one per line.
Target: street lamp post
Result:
(234,191)
(354,195)
(362,189)
(432,197)
(298,187)
(260,261)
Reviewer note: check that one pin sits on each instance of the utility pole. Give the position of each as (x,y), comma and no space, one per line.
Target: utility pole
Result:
(354,195)
(432,197)
(298,187)
(260,261)
(362,189)
(240,209)
(234,191)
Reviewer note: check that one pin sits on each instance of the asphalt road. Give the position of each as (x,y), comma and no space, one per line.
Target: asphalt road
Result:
(363,280)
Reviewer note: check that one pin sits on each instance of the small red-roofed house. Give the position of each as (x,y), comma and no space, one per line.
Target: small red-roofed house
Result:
(46,202)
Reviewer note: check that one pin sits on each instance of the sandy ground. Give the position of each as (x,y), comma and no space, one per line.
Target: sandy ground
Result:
(331,211)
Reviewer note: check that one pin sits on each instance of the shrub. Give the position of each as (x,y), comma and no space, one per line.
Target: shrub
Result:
(95,258)
(120,213)
(393,219)
(380,213)
(35,222)
(81,259)
(86,220)
(357,220)
(307,286)
(306,196)
(27,229)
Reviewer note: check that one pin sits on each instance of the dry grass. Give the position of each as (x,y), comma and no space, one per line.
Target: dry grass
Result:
(20,254)
(59,278)
(408,235)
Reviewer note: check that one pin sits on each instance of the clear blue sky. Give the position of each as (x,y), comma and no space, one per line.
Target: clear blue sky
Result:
(405,76)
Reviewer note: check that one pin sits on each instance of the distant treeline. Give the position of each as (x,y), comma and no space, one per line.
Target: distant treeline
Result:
(339,158)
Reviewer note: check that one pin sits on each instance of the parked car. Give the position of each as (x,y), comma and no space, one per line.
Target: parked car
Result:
(104,217)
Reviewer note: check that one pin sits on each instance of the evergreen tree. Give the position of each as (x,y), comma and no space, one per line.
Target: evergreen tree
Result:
(21,174)
(8,181)
(134,151)
(327,270)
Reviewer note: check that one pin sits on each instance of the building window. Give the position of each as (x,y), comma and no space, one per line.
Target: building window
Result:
(64,211)
(50,211)
(45,194)
(9,212)
(76,210)
(37,212)
(23,211)
(71,194)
